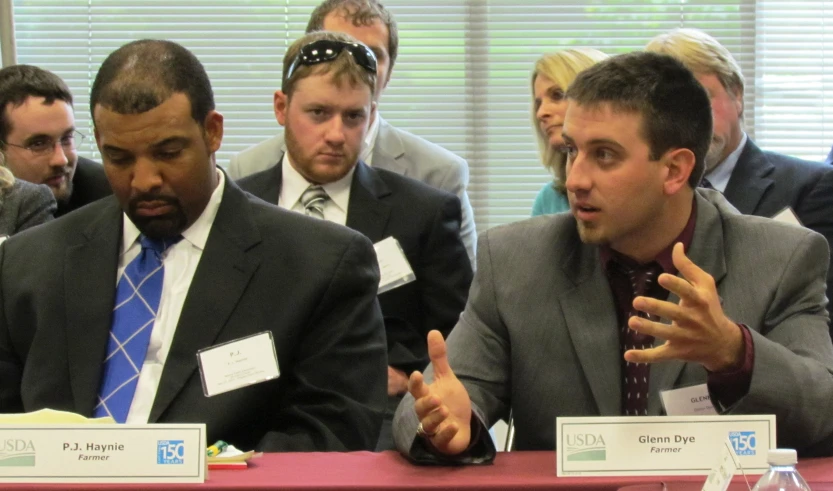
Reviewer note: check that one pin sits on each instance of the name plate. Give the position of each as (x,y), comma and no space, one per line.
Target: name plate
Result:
(102,453)
(660,445)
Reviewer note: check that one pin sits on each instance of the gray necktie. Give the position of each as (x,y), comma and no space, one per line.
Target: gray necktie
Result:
(313,201)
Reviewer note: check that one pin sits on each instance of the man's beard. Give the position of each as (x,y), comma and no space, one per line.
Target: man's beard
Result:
(715,154)
(167,226)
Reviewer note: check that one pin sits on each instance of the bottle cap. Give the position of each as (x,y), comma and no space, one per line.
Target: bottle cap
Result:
(782,456)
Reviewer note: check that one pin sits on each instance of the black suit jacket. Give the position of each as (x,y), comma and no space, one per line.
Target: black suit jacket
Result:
(426,222)
(311,283)
(764,183)
(88,184)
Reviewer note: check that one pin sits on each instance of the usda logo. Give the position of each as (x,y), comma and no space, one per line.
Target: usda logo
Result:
(585,447)
(170,451)
(744,442)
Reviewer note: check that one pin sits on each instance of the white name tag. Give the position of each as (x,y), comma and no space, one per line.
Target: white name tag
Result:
(239,363)
(721,474)
(688,401)
(106,453)
(659,445)
(394,266)
(787,215)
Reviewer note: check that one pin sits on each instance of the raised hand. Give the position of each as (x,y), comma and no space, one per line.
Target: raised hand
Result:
(443,406)
(699,332)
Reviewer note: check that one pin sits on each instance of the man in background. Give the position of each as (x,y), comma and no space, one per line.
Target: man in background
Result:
(384,146)
(39,139)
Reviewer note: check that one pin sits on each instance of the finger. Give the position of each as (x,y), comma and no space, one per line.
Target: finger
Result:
(425,406)
(445,435)
(655,329)
(431,422)
(679,286)
(417,386)
(650,355)
(659,308)
(686,266)
(438,354)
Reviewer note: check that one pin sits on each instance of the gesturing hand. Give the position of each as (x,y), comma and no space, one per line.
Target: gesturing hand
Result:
(699,332)
(443,407)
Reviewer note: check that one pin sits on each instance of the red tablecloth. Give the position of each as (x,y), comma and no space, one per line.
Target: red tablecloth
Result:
(389,471)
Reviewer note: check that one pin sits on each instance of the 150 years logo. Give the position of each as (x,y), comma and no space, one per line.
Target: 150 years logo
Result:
(17,452)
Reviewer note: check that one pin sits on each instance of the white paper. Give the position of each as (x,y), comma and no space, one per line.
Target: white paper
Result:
(394,266)
(660,445)
(724,470)
(3,238)
(787,215)
(239,363)
(688,401)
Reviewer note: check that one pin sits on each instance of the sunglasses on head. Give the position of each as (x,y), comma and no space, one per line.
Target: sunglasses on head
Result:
(325,50)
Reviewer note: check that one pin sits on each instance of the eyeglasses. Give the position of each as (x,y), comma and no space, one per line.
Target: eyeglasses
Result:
(325,50)
(45,145)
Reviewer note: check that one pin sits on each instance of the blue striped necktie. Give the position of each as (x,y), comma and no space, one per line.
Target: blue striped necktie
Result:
(137,304)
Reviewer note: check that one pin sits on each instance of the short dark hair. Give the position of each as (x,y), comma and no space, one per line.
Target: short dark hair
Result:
(675,109)
(361,13)
(19,82)
(143,74)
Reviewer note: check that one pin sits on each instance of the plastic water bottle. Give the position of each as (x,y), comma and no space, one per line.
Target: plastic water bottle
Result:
(782,475)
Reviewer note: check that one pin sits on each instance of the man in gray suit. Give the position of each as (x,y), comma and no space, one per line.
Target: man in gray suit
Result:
(755,181)
(385,147)
(567,314)
(104,311)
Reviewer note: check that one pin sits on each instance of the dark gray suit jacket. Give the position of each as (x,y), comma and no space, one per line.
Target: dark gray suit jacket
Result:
(426,222)
(764,183)
(25,205)
(540,335)
(312,284)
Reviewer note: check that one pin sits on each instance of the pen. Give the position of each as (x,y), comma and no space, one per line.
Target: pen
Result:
(217,448)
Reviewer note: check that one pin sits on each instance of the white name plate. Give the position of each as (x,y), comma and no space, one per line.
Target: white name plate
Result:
(659,445)
(103,453)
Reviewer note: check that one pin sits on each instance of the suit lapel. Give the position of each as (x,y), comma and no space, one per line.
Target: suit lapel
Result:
(225,269)
(590,314)
(389,150)
(268,187)
(90,288)
(750,179)
(706,251)
(367,212)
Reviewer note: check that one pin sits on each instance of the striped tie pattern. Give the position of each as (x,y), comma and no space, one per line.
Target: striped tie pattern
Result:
(313,201)
(138,296)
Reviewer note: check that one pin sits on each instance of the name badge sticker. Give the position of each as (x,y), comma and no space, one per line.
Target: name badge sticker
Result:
(393,265)
(238,363)
(688,401)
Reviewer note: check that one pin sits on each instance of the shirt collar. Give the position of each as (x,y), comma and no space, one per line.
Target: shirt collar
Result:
(366,154)
(293,185)
(608,255)
(719,176)
(196,234)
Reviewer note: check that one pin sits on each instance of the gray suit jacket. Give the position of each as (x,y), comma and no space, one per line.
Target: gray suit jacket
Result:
(25,205)
(397,151)
(312,284)
(539,333)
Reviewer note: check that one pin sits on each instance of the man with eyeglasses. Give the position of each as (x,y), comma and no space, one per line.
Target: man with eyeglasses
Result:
(326,106)
(39,140)
(384,146)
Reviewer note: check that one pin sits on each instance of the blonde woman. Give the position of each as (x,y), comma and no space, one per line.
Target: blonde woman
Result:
(22,204)
(552,74)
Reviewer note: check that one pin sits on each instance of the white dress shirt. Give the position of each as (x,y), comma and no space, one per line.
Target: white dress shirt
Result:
(180,262)
(294,184)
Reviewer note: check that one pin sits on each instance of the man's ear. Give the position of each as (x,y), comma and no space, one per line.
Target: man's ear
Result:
(213,125)
(738,95)
(280,103)
(679,164)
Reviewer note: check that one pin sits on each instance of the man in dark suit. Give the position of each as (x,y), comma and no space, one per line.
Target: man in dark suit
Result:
(39,139)
(202,263)
(755,181)
(325,121)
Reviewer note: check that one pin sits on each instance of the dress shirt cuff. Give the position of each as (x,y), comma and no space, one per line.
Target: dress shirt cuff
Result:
(730,386)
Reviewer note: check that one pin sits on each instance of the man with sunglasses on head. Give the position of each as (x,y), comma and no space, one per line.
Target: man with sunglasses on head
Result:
(326,106)
(384,146)
(39,140)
